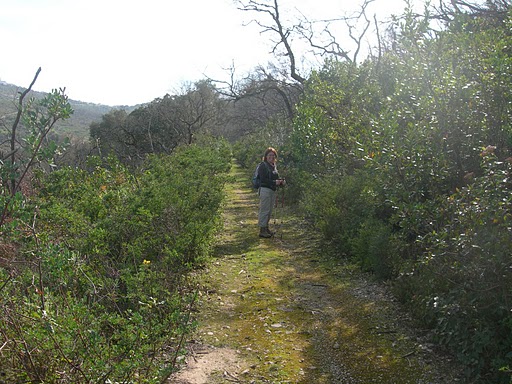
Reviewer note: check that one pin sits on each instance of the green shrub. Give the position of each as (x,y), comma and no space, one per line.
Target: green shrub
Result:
(75,331)
(372,248)
(102,296)
(249,151)
(354,221)
(462,282)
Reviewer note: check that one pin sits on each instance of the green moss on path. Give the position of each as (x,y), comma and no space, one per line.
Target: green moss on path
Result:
(274,311)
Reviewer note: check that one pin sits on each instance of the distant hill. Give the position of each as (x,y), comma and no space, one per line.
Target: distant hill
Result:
(77,126)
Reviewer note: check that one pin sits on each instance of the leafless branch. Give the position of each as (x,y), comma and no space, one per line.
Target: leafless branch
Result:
(359,38)
(276,27)
(378,37)
(331,46)
(10,154)
(16,123)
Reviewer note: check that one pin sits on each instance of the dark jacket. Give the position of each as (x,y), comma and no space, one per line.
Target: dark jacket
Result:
(268,175)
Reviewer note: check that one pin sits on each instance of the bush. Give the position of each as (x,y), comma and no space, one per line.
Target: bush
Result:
(249,151)
(103,295)
(462,283)
(372,248)
(75,331)
(354,220)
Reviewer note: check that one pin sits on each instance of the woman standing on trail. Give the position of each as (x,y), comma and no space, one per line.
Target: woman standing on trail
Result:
(269,181)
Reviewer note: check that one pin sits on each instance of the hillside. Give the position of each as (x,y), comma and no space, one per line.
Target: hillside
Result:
(77,126)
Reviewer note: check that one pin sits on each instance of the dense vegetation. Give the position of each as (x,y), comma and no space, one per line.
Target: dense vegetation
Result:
(102,290)
(401,161)
(95,259)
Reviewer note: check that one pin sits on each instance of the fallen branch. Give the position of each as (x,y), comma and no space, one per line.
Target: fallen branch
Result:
(3,346)
(408,354)
(384,332)
(231,377)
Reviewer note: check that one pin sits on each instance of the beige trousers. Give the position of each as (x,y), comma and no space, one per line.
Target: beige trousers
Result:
(267,198)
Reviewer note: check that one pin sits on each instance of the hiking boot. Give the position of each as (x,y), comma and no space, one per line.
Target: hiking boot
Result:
(272,233)
(264,232)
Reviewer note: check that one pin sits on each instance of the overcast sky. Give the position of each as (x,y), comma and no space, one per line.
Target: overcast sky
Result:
(125,52)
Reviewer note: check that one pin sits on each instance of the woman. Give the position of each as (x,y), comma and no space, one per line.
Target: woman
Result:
(269,179)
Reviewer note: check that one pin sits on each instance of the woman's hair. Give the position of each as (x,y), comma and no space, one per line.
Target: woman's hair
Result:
(269,149)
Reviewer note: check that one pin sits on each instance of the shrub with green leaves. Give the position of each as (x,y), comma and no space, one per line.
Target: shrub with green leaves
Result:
(354,220)
(103,294)
(393,146)
(462,283)
(76,330)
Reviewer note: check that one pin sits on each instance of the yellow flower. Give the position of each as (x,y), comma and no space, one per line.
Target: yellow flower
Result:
(146,262)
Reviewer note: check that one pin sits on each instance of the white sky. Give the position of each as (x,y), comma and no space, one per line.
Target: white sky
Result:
(125,52)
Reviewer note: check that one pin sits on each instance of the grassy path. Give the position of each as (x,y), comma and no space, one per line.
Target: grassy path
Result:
(274,311)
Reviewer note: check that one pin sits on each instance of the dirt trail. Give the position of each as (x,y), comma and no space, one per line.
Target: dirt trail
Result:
(274,311)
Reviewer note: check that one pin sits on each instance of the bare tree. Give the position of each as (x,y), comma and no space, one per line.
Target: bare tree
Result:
(198,109)
(272,89)
(323,41)
(265,84)
(275,26)
(276,89)
(14,135)
(262,96)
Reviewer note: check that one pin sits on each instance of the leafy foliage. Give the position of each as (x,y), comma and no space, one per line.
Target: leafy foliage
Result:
(404,170)
(29,150)
(465,270)
(103,295)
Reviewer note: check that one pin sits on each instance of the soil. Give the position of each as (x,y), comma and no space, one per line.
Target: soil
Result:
(279,311)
